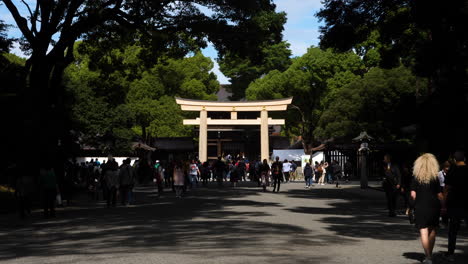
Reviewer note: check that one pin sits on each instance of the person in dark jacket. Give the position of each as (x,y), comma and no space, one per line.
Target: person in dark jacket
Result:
(308,175)
(456,196)
(276,174)
(126,179)
(337,172)
(391,184)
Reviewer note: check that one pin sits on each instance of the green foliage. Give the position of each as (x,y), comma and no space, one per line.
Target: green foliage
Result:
(5,41)
(12,72)
(335,96)
(309,79)
(381,102)
(243,70)
(118,97)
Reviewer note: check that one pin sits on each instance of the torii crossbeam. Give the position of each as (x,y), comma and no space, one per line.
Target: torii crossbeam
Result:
(203,121)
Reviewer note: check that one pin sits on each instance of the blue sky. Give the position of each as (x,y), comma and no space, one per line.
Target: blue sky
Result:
(301,29)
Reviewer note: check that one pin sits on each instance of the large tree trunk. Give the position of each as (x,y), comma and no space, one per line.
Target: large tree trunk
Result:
(44,114)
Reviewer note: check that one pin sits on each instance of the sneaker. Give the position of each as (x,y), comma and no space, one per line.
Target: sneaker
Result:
(427,261)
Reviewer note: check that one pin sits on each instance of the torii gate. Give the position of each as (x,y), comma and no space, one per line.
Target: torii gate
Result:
(204,106)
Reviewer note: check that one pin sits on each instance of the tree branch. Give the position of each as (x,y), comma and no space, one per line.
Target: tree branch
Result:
(27,6)
(21,22)
(45,14)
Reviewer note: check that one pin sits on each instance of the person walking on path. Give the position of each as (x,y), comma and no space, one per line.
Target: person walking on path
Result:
(126,179)
(178,179)
(193,174)
(286,170)
(321,173)
(112,181)
(49,189)
(24,189)
(348,170)
(276,173)
(264,174)
(427,194)
(391,184)
(442,175)
(205,173)
(337,173)
(456,182)
(308,175)
(219,171)
(293,172)
(159,178)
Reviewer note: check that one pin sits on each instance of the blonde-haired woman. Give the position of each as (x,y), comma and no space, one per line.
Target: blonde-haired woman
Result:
(426,192)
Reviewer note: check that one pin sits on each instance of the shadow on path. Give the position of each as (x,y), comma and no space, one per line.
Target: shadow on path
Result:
(205,222)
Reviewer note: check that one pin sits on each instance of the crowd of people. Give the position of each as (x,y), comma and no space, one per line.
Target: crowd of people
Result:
(432,193)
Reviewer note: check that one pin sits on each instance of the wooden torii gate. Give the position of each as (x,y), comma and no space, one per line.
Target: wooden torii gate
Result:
(203,121)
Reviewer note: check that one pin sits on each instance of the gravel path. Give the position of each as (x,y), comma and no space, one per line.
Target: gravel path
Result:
(243,225)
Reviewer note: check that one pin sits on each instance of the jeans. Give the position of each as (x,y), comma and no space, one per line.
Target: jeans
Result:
(309,181)
(286,176)
(193,181)
(276,180)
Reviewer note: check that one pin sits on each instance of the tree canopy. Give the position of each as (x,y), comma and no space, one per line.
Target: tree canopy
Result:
(337,95)
(163,28)
(430,38)
(118,97)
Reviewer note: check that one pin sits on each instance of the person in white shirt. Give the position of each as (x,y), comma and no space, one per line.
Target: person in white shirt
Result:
(441,175)
(286,169)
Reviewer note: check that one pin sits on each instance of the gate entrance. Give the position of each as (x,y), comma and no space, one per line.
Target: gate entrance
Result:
(206,123)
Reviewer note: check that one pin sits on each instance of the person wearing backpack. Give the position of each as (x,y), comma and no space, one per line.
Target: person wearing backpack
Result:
(276,173)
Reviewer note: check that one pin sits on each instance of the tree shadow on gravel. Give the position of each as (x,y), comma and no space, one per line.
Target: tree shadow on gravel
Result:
(205,223)
(362,214)
(355,215)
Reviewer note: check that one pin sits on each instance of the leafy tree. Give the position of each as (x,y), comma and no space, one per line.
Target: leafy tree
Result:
(309,80)
(188,77)
(242,71)
(51,28)
(430,38)
(146,106)
(5,41)
(381,102)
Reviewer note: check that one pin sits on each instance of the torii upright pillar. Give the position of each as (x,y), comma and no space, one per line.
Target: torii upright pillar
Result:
(204,121)
(203,138)
(264,136)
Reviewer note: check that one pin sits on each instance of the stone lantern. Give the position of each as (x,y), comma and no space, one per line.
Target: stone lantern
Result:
(364,140)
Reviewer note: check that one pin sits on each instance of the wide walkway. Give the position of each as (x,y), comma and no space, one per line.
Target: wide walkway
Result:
(243,225)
